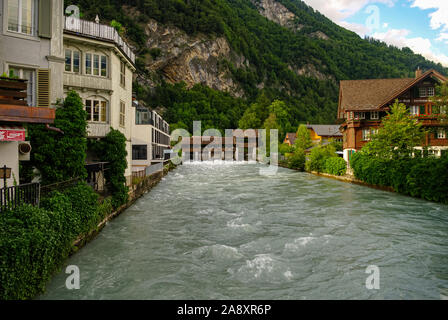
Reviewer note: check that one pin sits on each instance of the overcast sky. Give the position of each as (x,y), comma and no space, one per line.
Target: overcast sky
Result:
(421,25)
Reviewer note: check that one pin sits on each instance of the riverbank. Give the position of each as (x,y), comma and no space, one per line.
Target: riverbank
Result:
(135,193)
(346,178)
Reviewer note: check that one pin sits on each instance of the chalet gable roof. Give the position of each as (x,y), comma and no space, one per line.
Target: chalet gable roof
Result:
(368,95)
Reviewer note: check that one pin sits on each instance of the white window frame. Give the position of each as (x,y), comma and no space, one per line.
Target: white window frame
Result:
(413,109)
(100,112)
(422,92)
(431,91)
(20,17)
(92,64)
(441,133)
(359,115)
(72,63)
(366,134)
(374,115)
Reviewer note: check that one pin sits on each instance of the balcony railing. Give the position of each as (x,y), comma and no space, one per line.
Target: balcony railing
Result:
(16,196)
(98,31)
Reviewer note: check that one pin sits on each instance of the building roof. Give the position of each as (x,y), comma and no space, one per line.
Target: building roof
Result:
(291,137)
(367,95)
(323,130)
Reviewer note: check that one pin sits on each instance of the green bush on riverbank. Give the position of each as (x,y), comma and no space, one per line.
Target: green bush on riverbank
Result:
(425,178)
(34,242)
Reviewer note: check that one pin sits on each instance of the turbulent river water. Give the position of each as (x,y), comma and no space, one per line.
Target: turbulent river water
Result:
(226,232)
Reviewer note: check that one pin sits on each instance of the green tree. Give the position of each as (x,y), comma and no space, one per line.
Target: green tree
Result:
(319,156)
(112,149)
(303,140)
(440,103)
(61,156)
(279,109)
(398,135)
(250,119)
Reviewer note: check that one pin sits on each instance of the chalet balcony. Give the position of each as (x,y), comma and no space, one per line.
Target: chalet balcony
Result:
(14,106)
(98,31)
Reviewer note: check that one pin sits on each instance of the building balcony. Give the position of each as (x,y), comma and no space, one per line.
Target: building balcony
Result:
(73,80)
(98,31)
(14,106)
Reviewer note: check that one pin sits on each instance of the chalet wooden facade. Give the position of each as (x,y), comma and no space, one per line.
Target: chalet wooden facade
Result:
(363,104)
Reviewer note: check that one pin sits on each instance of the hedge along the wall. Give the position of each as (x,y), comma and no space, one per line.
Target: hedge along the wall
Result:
(336,166)
(34,242)
(425,178)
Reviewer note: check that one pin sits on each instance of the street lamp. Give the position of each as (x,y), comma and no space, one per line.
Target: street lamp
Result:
(5,173)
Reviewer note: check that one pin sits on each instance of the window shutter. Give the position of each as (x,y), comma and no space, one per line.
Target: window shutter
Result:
(45,18)
(43,88)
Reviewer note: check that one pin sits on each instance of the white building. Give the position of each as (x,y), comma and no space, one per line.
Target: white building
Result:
(150,138)
(99,65)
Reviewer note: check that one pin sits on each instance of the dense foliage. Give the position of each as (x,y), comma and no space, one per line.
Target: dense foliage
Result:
(275,53)
(336,166)
(423,177)
(215,109)
(319,156)
(34,241)
(61,156)
(297,160)
(112,149)
(398,135)
(303,140)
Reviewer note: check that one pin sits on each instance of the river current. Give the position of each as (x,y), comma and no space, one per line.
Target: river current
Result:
(223,231)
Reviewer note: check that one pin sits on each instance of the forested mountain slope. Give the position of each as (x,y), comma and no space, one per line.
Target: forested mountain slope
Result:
(242,52)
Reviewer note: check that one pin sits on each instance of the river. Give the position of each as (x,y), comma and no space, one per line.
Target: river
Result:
(226,232)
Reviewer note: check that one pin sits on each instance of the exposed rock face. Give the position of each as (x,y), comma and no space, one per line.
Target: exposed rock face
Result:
(319,35)
(277,13)
(192,59)
(309,70)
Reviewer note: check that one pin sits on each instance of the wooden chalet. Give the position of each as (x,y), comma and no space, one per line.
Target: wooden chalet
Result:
(363,104)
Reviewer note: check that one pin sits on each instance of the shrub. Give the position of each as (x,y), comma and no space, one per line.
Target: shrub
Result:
(32,246)
(112,149)
(61,156)
(34,242)
(336,166)
(319,157)
(297,160)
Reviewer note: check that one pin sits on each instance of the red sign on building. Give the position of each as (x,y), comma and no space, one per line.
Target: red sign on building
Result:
(12,134)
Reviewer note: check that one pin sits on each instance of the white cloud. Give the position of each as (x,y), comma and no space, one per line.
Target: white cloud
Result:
(360,29)
(439,18)
(339,10)
(400,38)
(443,37)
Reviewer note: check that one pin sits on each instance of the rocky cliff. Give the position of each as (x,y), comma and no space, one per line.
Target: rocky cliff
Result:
(192,59)
(176,56)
